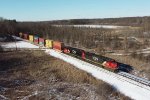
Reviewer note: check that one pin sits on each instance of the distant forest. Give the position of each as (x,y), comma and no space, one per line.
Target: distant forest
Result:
(84,37)
(124,21)
(12,26)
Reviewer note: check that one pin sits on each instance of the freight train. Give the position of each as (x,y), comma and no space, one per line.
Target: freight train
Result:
(102,61)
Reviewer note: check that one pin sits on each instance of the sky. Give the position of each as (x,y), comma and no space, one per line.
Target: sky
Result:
(45,10)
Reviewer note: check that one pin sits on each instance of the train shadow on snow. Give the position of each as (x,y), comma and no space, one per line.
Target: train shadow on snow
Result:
(125,67)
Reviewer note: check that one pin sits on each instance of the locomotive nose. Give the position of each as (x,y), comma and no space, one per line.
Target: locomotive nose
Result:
(114,65)
(111,64)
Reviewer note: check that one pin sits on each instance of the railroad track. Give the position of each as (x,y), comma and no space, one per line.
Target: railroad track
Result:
(124,74)
(140,81)
(135,78)
(121,75)
(126,77)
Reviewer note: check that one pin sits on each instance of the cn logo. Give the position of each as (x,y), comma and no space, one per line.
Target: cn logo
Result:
(73,51)
(95,58)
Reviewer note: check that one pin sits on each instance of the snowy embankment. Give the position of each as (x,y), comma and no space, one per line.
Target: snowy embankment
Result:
(19,43)
(124,85)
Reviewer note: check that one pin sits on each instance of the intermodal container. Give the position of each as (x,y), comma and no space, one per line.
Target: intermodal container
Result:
(48,43)
(31,38)
(41,41)
(36,39)
(26,36)
(58,45)
(21,34)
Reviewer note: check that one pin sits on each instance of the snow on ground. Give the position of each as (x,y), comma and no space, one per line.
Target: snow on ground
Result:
(18,44)
(126,86)
(93,26)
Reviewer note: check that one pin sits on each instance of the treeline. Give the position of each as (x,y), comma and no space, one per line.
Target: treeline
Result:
(99,39)
(8,26)
(124,21)
(84,37)
(78,37)
(141,57)
(12,26)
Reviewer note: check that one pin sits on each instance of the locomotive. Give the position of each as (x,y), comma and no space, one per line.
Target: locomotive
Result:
(93,58)
(102,61)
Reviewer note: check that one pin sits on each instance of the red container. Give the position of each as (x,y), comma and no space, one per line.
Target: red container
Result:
(58,45)
(41,41)
(36,39)
(26,36)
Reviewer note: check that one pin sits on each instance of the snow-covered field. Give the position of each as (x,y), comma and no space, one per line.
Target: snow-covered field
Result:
(93,26)
(124,85)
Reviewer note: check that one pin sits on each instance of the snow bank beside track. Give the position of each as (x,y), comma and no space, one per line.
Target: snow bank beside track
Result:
(18,44)
(126,86)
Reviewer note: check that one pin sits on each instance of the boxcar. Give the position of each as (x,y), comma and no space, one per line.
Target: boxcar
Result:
(41,41)
(31,38)
(48,43)
(26,36)
(36,39)
(58,46)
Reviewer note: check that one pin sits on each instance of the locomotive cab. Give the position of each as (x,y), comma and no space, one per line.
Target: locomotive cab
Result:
(112,64)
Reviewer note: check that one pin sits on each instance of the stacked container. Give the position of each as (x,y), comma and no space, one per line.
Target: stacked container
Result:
(31,38)
(25,36)
(48,43)
(20,34)
(41,41)
(36,39)
(58,45)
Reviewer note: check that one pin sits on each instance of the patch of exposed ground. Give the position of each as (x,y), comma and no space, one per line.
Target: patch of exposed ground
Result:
(34,75)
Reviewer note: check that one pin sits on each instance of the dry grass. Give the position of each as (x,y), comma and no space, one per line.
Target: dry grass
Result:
(137,64)
(37,66)
(49,66)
